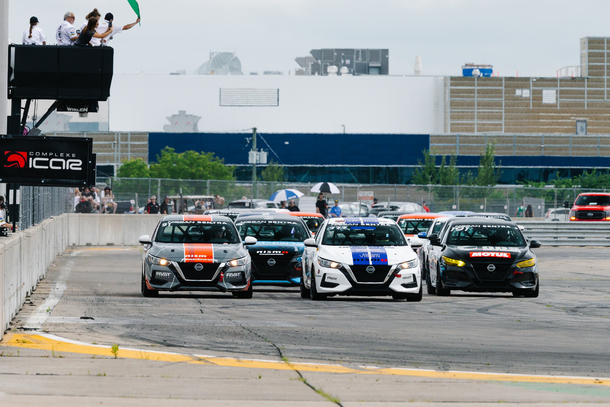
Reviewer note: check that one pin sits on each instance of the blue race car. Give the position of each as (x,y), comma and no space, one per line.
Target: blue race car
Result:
(276,257)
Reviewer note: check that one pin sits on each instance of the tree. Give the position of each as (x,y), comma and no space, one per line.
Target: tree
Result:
(273,172)
(488,173)
(427,173)
(447,175)
(135,168)
(190,165)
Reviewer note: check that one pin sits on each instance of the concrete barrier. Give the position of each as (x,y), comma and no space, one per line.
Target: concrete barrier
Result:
(108,229)
(25,257)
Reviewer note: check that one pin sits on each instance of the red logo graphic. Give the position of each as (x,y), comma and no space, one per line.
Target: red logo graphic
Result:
(15,159)
(490,254)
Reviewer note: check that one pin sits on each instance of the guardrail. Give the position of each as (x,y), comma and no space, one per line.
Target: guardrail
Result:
(568,233)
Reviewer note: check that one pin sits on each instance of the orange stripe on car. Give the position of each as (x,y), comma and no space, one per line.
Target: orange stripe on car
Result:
(195,218)
(198,253)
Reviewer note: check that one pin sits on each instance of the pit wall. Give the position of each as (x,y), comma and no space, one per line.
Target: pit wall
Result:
(25,256)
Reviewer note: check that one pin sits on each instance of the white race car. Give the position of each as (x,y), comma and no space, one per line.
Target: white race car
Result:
(360,256)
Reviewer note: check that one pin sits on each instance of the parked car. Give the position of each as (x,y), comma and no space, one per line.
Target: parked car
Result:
(405,207)
(591,207)
(557,215)
(124,207)
(353,210)
(252,204)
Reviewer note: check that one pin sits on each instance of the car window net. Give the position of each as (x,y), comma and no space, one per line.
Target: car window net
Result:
(414,226)
(196,232)
(365,235)
(273,231)
(485,235)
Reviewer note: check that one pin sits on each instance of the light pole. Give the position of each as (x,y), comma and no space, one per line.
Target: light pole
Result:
(254,162)
(3,63)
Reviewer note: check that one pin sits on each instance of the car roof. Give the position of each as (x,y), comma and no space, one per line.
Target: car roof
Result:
(307,214)
(361,221)
(197,218)
(480,221)
(426,215)
(265,217)
(249,200)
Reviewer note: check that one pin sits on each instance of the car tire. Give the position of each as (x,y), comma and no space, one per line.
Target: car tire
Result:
(305,292)
(244,294)
(416,297)
(313,292)
(440,291)
(528,293)
(431,290)
(146,292)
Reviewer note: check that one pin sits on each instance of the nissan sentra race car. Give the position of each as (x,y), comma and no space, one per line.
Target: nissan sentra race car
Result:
(484,255)
(196,253)
(276,257)
(360,256)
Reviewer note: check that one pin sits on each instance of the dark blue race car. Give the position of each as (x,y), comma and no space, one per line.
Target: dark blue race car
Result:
(276,257)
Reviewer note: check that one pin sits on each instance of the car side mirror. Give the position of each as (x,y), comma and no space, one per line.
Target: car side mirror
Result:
(422,235)
(249,240)
(144,239)
(310,243)
(534,244)
(415,242)
(434,240)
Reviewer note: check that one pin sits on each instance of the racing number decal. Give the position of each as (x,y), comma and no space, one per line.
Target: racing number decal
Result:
(198,253)
(490,254)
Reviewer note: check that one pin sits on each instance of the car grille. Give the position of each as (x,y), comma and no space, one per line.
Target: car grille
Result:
(363,276)
(589,215)
(498,274)
(261,265)
(187,270)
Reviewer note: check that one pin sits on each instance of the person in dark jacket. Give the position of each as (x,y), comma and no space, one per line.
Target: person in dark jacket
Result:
(152,206)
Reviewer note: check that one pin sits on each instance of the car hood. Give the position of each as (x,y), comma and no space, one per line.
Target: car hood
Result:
(354,255)
(193,252)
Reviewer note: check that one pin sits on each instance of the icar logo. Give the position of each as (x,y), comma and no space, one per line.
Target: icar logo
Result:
(15,159)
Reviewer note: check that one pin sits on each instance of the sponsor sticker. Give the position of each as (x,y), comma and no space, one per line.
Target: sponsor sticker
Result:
(369,255)
(500,255)
(198,253)
(231,276)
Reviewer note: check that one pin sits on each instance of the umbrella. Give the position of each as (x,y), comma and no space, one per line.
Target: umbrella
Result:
(326,187)
(285,195)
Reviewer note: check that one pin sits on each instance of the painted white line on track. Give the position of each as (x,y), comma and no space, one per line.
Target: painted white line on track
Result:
(35,322)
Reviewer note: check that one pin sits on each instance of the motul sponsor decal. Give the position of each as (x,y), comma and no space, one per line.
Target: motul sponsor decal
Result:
(198,253)
(500,255)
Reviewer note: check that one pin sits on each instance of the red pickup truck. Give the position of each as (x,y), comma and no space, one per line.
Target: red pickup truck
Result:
(594,207)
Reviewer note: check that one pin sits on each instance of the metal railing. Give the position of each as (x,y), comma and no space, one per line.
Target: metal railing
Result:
(40,203)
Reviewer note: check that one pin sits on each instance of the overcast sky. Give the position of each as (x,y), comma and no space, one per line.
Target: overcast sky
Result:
(533,37)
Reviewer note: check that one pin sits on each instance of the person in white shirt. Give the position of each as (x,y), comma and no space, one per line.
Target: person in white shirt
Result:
(103,26)
(94,14)
(35,35)
(66,33)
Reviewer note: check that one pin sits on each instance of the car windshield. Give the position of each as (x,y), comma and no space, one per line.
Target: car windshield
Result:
(196,232)
(313,223)
(490,216)
(363,235)
(273,230)
(438,225)
(393,217)
(585,200)
(414,226)
(485,235)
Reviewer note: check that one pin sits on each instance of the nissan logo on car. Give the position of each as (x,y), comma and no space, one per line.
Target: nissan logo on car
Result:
(271,262)
(370,269)
(491,268)
(198,267)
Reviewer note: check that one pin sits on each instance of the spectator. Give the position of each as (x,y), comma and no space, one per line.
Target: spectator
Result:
(425,206)
(283,205)
(108,200)
(221,202)
(529,211)
(292,207)
(76,200)
(35,35)
(108,22)
(165,206)
(520,210)
(94,14)
(97,202)
(66,33)
(375,201)
(2,209)
(152,207)
(85,204)
(216,202)
(84,39)
(321,205)
(335,211)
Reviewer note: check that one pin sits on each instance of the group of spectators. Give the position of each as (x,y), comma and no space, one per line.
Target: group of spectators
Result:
(167,207)
(93,32)
(322,208)
(90,200)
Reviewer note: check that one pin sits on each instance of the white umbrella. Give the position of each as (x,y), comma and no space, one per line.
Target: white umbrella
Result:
(285,195)
(328,187)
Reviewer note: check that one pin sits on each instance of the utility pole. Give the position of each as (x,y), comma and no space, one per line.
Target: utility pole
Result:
(254,162)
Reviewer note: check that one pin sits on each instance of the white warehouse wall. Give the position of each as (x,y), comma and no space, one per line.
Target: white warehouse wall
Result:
(307,104)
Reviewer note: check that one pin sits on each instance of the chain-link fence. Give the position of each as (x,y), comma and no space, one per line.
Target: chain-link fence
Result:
(40,203)
(508,199)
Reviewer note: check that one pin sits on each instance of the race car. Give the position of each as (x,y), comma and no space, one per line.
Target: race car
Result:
(276,257)
(196,253)
(415,223)
(360,256)
(313,220)
(484,255)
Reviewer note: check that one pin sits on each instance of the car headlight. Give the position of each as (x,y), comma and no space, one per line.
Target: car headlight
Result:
(158,260)
(527,263)
(453,262)
(238,262)
(328,263)
(408,264)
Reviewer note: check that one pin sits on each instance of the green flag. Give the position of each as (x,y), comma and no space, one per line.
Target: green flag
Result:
(134,5)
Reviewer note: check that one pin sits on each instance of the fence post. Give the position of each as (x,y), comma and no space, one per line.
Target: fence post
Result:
(208,188)
(159,190)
